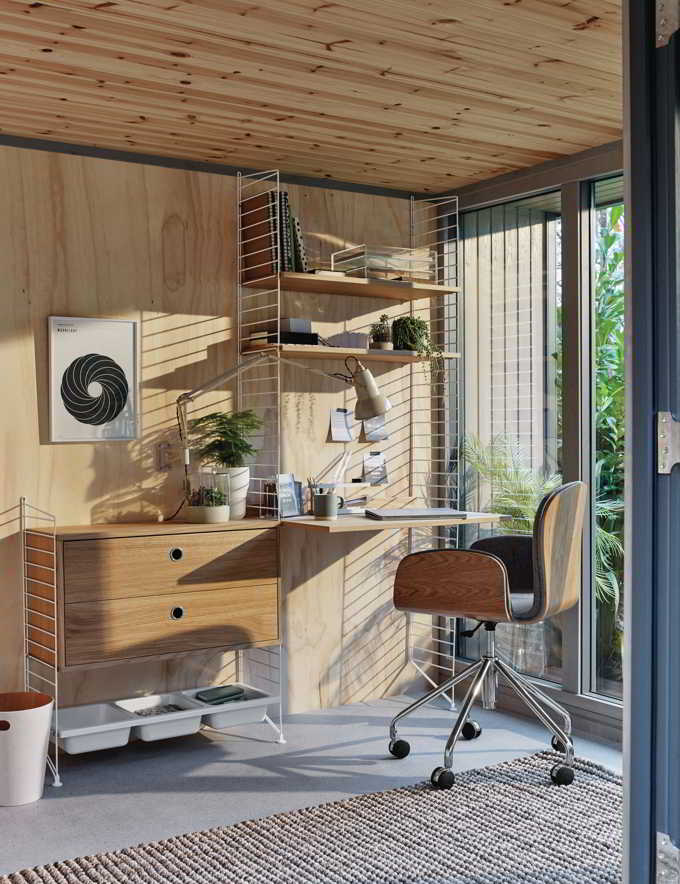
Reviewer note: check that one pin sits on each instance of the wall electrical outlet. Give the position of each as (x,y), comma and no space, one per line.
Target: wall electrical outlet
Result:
(166,456)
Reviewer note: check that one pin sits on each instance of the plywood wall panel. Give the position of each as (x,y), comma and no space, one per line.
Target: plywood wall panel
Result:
(88,237)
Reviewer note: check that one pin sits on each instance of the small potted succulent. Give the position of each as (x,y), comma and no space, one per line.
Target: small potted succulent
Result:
(208,498)
(381,334)
(222,441)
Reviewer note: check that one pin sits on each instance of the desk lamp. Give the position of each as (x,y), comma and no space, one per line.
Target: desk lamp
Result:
(370,401)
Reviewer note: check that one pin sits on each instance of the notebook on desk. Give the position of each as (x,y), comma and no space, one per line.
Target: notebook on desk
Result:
(433,512)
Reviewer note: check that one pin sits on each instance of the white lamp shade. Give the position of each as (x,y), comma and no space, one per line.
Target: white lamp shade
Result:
(370,401)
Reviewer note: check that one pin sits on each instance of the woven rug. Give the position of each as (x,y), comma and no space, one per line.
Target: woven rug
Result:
(504,824)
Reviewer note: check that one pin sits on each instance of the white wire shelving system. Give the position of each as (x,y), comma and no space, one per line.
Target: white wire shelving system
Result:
(40,619)
(434,227)
(434,472)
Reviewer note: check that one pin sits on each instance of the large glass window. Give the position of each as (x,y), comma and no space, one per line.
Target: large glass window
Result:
(511,276)
(608,437)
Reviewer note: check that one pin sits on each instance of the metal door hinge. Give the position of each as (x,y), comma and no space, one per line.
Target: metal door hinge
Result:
(667,860)
(667,441)
(667,20)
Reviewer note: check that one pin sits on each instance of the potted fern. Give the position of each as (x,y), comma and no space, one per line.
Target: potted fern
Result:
(222,441)
(381,334)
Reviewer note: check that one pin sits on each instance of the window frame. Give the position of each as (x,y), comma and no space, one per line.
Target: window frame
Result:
(574,177)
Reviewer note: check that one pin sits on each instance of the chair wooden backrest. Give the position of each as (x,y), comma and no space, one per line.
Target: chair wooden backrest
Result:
(558,529)
(475,582)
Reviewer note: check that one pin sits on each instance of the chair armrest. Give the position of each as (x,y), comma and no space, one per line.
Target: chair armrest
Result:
(516,551)
(453,583)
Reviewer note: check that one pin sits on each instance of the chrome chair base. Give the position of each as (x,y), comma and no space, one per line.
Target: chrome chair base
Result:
(484,675)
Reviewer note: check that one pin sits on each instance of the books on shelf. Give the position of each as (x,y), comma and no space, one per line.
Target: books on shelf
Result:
(301,262)
(259,240)
(272,237)
(285,337)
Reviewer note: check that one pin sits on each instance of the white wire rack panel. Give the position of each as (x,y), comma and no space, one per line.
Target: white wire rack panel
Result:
(40,620)
(437,421)
(259,315)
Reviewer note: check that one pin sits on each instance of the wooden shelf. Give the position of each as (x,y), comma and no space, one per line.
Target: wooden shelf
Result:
(347,524)
(152,529)
(354,286)
(314,351)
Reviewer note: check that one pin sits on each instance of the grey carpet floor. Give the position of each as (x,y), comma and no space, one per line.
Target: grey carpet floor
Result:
(504,824)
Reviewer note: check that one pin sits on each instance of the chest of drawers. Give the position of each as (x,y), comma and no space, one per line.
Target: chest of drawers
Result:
(129,592)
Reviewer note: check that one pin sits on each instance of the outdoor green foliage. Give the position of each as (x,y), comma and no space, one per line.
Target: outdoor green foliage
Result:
(500,470)
(222,439)
(512,486)
(609,426)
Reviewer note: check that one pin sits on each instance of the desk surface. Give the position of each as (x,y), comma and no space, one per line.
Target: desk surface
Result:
(143,529)
(345,524)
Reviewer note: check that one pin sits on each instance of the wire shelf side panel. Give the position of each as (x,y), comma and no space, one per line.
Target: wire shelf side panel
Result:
(259,315)
(40,618)
(436,390)
(437,422)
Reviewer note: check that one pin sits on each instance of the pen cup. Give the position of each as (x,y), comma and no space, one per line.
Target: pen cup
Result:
(326,506)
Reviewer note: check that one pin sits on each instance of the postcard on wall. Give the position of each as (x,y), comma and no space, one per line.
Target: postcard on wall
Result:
(375,468)
(342,424)
(93,379)
(289,501)
(375,429)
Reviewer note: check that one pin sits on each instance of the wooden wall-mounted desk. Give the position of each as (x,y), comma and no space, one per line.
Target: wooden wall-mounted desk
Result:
(348,524)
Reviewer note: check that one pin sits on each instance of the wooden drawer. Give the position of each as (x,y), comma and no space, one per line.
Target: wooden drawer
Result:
(129,567)
(126,628)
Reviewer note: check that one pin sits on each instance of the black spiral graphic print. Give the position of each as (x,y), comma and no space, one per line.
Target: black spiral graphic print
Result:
(88,409)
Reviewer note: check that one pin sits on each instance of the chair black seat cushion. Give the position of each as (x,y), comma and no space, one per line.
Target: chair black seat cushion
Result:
(516,553)
(521,603)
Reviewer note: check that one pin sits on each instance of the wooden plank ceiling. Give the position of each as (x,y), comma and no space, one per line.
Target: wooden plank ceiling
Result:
(421,95)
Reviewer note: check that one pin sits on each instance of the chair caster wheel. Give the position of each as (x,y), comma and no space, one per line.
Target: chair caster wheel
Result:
(399,748)
(562,776)
(442,778)
(558,745)
(471,730)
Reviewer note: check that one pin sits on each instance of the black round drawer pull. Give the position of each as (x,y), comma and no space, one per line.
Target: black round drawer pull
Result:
(176,553)
(177,612)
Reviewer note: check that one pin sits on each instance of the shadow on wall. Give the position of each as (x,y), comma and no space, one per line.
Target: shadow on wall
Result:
(11,665)
(372,661)
(177,354)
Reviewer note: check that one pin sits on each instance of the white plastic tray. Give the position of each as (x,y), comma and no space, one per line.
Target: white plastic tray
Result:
(251,709)
(166,724)
(107,725)
(92,727)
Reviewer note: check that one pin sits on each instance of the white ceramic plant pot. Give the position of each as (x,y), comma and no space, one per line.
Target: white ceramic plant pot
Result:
(208,515)
(381,345)
(239,481)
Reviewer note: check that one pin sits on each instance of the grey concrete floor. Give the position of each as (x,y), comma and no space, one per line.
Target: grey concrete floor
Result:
(148,791)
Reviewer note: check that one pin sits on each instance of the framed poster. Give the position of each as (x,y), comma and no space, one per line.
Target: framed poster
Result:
(93,379)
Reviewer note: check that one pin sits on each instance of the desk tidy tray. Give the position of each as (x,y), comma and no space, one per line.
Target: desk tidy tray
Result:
(158,717)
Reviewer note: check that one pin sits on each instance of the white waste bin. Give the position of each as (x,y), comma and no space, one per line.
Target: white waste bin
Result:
(25,720)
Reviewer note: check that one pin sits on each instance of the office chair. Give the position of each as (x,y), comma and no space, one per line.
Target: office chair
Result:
(504,579)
